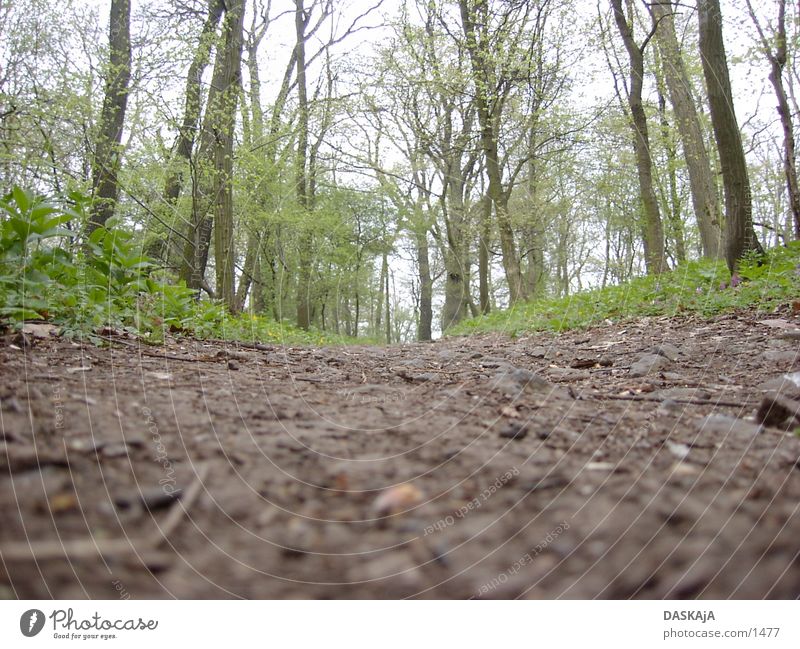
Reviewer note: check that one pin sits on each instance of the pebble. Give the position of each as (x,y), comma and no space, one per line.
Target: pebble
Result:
(649,363)
(668,351)
(514,430)
(722,424)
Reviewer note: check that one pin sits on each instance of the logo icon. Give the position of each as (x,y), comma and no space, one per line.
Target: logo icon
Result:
(31,622)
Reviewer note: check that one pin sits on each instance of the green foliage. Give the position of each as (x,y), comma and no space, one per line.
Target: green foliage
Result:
(699,287)
(107,283)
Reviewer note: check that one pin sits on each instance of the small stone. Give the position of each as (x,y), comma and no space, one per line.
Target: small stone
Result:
(781,357)
(10,404)
(39,330)
(648,364)
(233,365)
(397,499)
(538,352)
(515,430)
(601,466)
(679,450)
(668,351)
(153,499)
(724,425)
(776,410)
(114,450)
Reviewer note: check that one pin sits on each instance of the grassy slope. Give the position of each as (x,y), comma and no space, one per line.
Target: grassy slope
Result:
(696,287)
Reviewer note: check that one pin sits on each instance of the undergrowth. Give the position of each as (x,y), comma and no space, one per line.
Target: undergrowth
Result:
(106,284)
(697,287)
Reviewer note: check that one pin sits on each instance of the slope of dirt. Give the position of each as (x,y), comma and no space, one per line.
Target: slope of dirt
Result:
(619,462)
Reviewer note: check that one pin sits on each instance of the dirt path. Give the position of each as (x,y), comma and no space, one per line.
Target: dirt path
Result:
(538,467)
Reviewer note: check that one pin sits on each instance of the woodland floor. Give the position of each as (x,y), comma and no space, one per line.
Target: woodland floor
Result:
(486,467)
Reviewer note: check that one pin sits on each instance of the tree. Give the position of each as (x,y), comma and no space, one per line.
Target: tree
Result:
(739,233)
(655,258)
(701,180)
(212,190)
(777,58)
(497,46)
(107,149)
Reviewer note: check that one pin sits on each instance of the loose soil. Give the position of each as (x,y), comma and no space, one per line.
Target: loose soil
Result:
(620,462)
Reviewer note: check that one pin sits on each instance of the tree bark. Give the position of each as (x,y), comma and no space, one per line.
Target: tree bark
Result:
(739,233)
(108,149)
(705,201)
(655,259)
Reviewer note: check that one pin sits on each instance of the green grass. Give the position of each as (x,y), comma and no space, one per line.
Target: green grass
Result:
(698,287)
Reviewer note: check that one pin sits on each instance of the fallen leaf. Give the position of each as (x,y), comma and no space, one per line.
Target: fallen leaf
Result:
(63,503)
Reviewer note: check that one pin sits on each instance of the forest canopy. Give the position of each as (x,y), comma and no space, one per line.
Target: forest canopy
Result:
(385,168)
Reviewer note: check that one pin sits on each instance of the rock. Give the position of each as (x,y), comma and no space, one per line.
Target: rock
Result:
(538,352)
(397,499)
(776,410)
(515,430)
(683,393)
(787,385)
(583,363)
(446,356)
(10,404)
(154,499)
(114,450)
(668,351)
(494,363)
(781,357)
(233,365)
(724,425)
(601,466)
(679,450)
(649,363)
(39,330)
(566,374)
(514,381)
(669,407)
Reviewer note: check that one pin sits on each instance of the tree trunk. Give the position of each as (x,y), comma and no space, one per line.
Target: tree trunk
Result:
(701,179)
(488,118)
(671,198)
(108,149)
(484,256)
(424,326)
(184,143)
(212,191)
(740,235)
(777,61)
(653,229)
(224,247)
(301,180)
